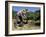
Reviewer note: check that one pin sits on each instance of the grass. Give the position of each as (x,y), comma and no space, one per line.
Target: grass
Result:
(28,26)
(25,27)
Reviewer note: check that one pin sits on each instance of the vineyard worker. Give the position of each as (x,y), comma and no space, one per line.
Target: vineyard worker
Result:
(19,14)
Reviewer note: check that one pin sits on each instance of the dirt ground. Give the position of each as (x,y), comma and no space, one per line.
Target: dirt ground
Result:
(28,26)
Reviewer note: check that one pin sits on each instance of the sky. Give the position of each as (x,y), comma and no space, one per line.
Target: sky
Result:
(18,8)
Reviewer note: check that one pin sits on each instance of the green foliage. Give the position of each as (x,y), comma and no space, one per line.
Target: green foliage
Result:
(30,15)
(33,15)
(14,14)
